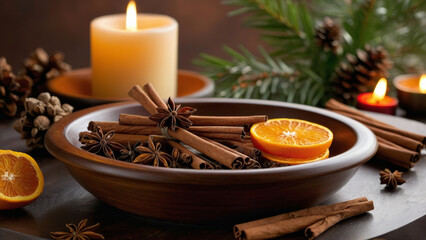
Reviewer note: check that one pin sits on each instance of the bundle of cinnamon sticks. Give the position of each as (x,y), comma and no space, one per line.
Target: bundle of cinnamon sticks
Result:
(314,220)
(220,138)
(397,146)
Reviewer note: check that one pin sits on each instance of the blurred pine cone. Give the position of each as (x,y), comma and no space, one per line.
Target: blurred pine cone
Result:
(40,113)
(13,90)
(361,72)
(41,67)
(328,35)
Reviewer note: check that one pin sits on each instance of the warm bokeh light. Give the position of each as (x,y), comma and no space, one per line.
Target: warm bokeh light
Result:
(380,90)
(422,83)
(131,16)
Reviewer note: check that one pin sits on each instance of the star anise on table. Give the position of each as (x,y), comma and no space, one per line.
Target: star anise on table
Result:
(79,232)
(392,180)
(129,154)
(174,116)
(98,141)
(152,155)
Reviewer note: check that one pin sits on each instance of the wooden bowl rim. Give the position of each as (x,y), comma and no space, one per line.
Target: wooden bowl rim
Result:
(59,146)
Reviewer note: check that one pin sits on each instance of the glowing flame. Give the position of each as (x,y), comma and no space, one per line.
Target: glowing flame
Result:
(380,90)
(422,83)
(131,19)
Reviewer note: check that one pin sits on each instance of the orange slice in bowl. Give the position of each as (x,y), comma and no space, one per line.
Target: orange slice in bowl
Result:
(21,180)
(295,161)
(291,138)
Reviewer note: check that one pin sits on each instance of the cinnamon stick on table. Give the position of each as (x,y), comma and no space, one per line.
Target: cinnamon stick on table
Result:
(396,146)
(399,152)
(341,108)
(315,218)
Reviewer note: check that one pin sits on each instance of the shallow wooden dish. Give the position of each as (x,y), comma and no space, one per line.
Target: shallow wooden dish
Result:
(187,195)
(75,88)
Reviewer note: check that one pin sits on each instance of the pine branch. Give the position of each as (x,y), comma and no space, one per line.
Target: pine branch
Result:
(247,76)
(287,26)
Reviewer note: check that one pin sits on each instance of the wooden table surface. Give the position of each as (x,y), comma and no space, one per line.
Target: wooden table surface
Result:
(65,201)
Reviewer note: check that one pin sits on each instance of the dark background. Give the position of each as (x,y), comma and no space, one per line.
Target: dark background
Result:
(64,26)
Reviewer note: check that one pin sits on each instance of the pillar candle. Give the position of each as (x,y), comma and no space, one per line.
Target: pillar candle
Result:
(121,57)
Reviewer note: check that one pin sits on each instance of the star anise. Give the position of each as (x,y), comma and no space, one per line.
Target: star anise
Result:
(97,141)
(392,180)
(79,232)
(152,155)
(175,157)
(129,154)
(174,116)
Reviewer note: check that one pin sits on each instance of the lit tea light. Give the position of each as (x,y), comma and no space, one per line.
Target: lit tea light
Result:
(412,92)
(377,101)
(131,48)
(422,83)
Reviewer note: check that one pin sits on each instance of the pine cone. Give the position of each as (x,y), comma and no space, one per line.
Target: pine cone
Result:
(13,90)
(41,67)
(360,73)
(38,116)
(328,35)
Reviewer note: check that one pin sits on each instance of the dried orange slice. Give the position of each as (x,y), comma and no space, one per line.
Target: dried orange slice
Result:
(21,180)
(291,138)
(295,161)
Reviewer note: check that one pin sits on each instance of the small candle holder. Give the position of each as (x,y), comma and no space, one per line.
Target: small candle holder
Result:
(387,105)
(409,95)
(377,101)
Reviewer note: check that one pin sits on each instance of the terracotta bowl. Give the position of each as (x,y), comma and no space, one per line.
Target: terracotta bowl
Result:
(197,196)
(75,88)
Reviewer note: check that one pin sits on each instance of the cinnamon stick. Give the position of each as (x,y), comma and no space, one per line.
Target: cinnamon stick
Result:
(397,156)
(125,129)
(154,96)
(129,119)
(322,225)
(398,139)
(249,163)
(139,95)
(239,228)
(295,224)
(400,153)
(224,136)
(218,129)
(197,162)
(227,158)
(131,139)
(234,133)
(341,108)
(135,120)
(243,148)
(227,120)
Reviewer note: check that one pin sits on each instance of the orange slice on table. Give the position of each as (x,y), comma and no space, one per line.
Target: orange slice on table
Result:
(21,180)
(295,161)
(291,138)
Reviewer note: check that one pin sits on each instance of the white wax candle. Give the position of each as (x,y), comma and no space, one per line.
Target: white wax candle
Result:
(122,58)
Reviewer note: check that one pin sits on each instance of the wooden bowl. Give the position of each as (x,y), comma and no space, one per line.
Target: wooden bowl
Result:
(75,87)
(197,196)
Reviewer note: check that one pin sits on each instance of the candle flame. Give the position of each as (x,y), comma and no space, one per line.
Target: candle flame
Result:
(422,83)
(380,90)
(131,16)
